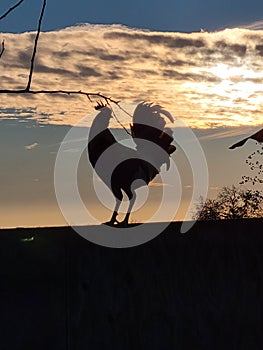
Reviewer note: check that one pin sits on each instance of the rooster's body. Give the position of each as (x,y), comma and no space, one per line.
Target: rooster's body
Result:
(125,165)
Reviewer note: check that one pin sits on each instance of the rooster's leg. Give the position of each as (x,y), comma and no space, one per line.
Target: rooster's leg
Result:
(115,213)
(113,219)
(132,198)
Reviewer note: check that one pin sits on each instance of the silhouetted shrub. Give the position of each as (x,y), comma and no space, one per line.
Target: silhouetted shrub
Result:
(231,203)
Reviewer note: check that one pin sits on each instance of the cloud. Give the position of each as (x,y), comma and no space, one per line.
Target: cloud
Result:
(178,70)
(39,68)
(178,63)
(158,184)
(170,41)
(17,113)
(173,74)
(258,25)
(219,133)
(259,48)
(214,188)
(237,49)
(31,146)
(85,71)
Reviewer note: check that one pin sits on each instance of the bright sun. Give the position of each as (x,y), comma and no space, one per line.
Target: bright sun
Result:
(226,72)
(236,82)
(233,93)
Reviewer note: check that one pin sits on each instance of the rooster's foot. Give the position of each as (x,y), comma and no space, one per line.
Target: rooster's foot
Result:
(122,224)
(111,223)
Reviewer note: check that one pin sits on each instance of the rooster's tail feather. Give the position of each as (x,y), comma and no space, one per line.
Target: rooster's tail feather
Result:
(148,124)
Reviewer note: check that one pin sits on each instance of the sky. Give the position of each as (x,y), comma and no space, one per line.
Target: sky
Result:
(202,60)
(166,15)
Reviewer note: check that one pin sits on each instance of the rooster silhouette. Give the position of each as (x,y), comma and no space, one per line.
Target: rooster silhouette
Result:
(141,164)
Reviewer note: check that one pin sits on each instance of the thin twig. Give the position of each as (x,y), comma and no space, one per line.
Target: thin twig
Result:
(129,114)
(62,92)
(35,45)
(107,99)
(65,92)
(2,49)
(11,9)
(117,119)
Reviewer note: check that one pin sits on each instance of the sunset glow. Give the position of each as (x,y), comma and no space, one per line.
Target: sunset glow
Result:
(204,78)
(210,82)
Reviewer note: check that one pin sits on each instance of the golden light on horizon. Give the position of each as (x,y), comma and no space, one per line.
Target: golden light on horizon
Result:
(239,82)
(235,94)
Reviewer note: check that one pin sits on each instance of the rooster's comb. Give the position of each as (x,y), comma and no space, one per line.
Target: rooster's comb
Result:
(100,105)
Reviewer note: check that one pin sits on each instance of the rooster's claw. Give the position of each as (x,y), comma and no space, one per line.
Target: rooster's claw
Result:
(111,223)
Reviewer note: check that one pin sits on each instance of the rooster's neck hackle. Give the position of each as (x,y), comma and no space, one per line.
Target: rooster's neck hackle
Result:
(101,122)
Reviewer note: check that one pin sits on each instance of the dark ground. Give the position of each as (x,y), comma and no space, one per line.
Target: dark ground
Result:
(200,290)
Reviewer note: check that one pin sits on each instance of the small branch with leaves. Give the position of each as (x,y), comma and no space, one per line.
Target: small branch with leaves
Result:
(254,161)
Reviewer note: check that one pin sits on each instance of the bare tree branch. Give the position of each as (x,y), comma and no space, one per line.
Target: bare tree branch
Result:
(11,9)
(5,15)
(35,45)
(107,99)
(63,92)
(27,90)
(2,49)
(117,119)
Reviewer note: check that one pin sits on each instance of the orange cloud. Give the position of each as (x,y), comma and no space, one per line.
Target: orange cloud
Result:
(190,74)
